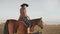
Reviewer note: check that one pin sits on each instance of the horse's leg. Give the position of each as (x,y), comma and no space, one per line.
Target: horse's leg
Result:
(32,28)
(20,29)
(29,30)
(10,28)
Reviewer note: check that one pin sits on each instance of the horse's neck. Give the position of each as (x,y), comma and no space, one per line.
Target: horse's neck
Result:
(33,25)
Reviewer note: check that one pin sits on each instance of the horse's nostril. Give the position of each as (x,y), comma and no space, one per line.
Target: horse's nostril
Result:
(41,27)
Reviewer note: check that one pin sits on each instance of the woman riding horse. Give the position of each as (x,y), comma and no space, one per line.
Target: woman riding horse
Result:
(24,17)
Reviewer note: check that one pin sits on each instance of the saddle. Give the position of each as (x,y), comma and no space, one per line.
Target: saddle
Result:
(26,21)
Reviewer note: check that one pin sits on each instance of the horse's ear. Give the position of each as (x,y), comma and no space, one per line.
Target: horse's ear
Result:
(41,18)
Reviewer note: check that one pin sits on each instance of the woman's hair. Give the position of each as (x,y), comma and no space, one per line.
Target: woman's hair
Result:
(24,4)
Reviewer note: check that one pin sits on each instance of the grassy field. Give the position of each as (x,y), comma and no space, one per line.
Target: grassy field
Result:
(1,28)
(51,29)
(48,29)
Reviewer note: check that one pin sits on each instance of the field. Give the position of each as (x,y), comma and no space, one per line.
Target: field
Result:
(51,29)
(48,29)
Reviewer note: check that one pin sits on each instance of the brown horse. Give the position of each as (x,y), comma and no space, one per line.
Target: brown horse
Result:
(35,22)
(12,26)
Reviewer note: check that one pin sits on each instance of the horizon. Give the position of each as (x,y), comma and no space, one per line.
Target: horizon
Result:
(49,10)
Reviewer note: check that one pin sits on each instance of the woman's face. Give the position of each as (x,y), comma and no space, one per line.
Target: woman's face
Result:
(24,6)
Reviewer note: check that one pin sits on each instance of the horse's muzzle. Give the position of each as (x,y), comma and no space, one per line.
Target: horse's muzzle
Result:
(41,27)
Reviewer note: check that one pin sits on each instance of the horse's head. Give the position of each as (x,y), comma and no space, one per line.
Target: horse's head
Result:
(38,22)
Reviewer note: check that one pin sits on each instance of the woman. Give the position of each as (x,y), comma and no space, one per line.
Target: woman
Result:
(24,17)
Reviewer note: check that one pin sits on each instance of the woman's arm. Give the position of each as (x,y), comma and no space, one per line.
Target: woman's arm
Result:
(28,18)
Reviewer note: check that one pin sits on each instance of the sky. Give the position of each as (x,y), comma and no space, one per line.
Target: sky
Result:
(49,10)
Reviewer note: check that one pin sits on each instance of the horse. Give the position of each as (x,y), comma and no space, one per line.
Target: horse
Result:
(35,22)
(14,26)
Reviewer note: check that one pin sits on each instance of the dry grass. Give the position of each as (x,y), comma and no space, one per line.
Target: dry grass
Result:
(1,28)
(51,29)
(48,29)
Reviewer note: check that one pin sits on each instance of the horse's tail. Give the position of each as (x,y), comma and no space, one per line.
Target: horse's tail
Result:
(6,27)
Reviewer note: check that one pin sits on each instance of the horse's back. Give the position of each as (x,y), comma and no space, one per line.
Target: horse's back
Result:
(18,26)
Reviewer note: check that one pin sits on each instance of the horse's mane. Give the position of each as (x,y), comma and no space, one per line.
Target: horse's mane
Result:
(36,19)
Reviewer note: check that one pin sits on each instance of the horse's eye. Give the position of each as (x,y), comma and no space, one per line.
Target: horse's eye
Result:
(41,21)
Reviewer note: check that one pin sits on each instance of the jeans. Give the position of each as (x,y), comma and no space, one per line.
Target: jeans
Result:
(27,22)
